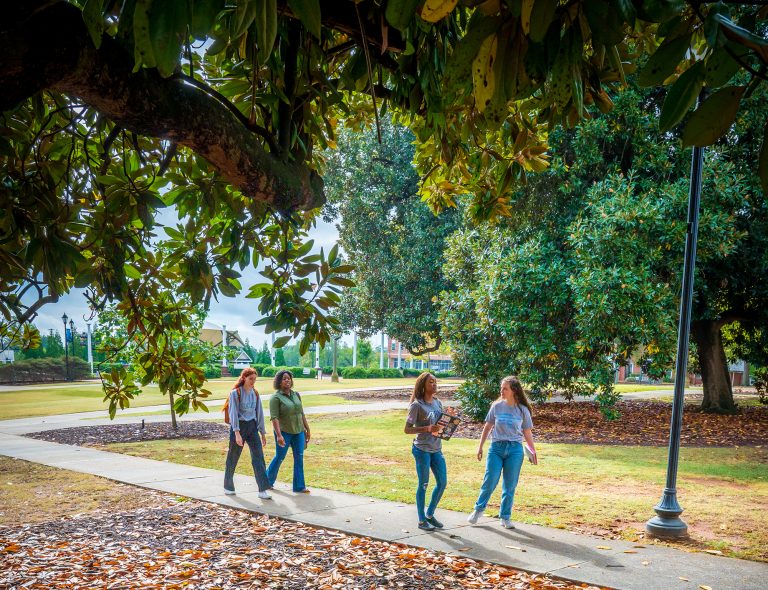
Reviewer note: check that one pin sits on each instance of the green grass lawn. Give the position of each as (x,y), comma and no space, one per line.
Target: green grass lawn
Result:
(577,487)
(85,397)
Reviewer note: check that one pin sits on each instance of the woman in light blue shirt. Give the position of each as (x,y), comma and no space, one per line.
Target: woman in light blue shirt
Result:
(510,421)
(246,422)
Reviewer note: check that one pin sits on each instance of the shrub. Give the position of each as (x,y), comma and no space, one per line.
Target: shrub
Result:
(476,398)
(298,372)
(630,379)
(374,373)
(445,374)
(354,373)
(412,372)
(268,371)
(260,368)
(211,371)
(235,372)
(391,373)
(44,370)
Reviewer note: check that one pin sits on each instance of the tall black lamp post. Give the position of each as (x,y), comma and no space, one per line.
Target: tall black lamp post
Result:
(64,319)
(72,336)
(667,522)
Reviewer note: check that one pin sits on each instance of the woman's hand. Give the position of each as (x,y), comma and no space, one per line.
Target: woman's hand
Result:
(238,438)
(263,439)
(480,454)
(280,440)
(434,429)
(307,436)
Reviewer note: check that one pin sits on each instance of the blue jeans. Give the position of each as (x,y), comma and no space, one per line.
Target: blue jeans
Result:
(296,443)
(250,434)
(424,462)
(503,457)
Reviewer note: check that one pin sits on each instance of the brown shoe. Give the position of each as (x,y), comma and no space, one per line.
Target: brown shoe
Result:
(304,491)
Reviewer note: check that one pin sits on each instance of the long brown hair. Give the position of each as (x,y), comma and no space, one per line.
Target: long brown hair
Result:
(517,390)
(420,387)
(247,372)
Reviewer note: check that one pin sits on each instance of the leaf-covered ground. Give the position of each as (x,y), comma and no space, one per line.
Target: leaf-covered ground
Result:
(173,543)
(641,423)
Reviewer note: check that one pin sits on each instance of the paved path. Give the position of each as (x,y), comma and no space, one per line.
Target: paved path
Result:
(615,564)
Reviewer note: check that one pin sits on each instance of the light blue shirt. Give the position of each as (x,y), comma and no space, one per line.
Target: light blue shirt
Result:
(246,406)
(508,421)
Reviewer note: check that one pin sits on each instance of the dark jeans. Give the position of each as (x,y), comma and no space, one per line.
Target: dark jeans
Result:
(424,463)
(251,437)
(296,443)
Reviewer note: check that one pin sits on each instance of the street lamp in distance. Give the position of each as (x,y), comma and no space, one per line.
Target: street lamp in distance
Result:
(64,319)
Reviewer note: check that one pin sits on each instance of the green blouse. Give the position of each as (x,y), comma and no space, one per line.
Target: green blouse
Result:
(288,411)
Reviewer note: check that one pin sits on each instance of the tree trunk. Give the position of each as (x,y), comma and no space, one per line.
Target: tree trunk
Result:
(173,413)
(718,395)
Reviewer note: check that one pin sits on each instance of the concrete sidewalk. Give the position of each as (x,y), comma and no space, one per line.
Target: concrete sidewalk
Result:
(615,564)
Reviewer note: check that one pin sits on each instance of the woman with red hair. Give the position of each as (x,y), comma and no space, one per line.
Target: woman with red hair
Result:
(246,419)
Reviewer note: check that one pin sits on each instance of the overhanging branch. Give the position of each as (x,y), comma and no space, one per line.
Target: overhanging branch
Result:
(145,103)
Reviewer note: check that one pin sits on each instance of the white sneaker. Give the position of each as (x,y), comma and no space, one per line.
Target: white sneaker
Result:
(265,496)
(507,524)
(474,515)
(229,492)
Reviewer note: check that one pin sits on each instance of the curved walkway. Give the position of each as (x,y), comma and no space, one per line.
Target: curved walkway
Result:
(615,564)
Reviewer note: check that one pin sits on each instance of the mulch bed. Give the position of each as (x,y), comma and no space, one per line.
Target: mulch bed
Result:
(644,423)
(172,544)
(402,394)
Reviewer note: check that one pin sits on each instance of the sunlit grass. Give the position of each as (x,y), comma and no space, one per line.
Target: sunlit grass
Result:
(85,397)
(724,491)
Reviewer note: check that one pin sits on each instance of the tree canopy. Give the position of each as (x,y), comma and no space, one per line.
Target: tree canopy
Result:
(395,242)
(588,272)
(219,112)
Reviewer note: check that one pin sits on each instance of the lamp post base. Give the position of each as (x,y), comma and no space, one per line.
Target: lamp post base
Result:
(667,528)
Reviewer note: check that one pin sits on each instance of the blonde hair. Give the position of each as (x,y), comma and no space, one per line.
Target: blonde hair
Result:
(517,390)
(420,387)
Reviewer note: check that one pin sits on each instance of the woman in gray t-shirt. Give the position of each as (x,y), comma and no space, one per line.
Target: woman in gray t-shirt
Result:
(510,421)
(423,413)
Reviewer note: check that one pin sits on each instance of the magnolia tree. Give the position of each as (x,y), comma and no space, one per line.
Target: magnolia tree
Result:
(220,112)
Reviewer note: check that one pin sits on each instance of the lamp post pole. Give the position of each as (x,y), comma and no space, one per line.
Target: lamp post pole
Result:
(72,337)
(667,522)
(90,350)
(64,319)
(335,373)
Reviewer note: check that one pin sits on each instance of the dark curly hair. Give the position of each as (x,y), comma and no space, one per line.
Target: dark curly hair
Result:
(279,378)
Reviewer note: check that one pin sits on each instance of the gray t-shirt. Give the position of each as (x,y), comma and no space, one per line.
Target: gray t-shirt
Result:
(424,414)
(508,421)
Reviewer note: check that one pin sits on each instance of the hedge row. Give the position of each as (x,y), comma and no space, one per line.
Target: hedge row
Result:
(44,370)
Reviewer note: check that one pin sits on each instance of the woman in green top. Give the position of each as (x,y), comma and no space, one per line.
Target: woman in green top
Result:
(291,430)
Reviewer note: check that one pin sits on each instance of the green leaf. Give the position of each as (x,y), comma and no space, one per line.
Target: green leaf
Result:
(94,20)
(131,272)
(204,13)
(604,21)
(143,52)
(167,27)
(282,341)
(479,28)
(762,167)
(399,13)
(542,14)
(681,96)
(713,118)
(743,36)
(308,12)
(721,67)
(245,13)
(663,62)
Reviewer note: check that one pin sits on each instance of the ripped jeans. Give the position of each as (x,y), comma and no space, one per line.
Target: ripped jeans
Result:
(424,462)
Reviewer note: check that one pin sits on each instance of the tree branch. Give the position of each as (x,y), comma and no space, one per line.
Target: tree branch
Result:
(145,103)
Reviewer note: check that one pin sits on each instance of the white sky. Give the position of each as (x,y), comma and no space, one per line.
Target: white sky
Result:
(237,313)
